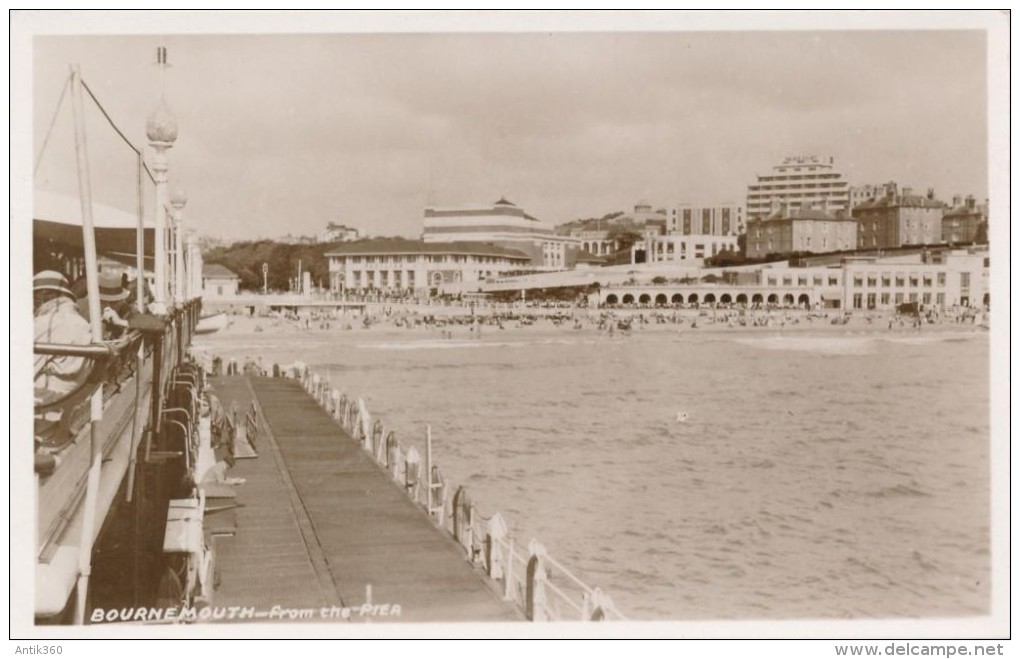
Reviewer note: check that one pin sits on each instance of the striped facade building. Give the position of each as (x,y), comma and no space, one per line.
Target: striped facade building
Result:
(505,225)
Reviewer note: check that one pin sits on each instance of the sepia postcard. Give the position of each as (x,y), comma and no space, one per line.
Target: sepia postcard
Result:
(499,324)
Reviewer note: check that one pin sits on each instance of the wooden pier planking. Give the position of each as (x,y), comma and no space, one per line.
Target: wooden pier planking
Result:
(349,525)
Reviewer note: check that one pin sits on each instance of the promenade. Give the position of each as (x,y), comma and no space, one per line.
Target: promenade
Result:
(322,526)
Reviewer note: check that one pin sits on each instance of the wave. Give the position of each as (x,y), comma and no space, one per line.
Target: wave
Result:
(821,345)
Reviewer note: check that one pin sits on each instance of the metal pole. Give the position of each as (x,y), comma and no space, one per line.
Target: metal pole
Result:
(428,468)
(95,322)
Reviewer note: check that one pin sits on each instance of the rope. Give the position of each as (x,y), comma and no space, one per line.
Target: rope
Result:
(53,122)
(108,119)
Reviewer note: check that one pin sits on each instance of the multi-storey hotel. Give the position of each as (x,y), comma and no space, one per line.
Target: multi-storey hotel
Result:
(798,181)
(505,225)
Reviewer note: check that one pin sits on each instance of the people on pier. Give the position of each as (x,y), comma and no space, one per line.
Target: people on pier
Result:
(57,321)
(113,296)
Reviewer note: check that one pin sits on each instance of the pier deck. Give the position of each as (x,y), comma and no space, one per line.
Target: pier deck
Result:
(319,522)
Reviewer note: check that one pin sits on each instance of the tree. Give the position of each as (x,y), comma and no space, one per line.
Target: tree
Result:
(625,235)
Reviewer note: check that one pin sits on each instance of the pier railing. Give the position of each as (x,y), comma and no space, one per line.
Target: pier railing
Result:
(529,577)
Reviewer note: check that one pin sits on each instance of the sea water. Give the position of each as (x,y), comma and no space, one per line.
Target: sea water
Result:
(722,476)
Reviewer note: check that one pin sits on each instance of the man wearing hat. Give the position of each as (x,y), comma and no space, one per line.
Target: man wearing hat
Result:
(112,295)
(57,321)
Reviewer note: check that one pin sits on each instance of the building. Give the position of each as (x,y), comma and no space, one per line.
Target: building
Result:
(862,193)
(798,181)
(337,233)
(601,236)
(965,222)
(933,279)
(681,248)
(720,220)
(398,265)
(505,225)
(218,281)
(897,220)
(937,278)
(789,230)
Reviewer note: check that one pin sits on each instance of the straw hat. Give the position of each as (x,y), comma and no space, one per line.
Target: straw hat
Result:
(51,280)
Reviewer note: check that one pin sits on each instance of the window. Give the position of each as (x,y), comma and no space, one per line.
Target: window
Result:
(900,281)
(913,297)
(899,298)
(772,281)
(872,282)
(940,299)
(913,281)
(942,278)
(802,281)
(927,281)
(886,281)
(833,281)
(816,281)
(964,280)
(871,300)
(857,300)
(787,281)
(926,298)
(858,282)
(885,299)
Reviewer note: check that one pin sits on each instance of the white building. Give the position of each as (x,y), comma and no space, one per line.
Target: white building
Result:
(336,233)
(397,265)
(799,181)
(218,281)
(503,224)
(679,248)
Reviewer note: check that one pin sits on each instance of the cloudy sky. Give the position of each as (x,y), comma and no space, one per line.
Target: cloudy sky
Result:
(284,133)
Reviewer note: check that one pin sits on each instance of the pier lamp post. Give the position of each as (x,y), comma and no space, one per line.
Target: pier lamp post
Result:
(178,199)
(161,129)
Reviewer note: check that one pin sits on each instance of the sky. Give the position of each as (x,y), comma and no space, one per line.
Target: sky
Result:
(283,133)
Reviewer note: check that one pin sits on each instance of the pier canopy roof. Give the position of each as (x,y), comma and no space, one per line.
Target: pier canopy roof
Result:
(387,246)
(57,221)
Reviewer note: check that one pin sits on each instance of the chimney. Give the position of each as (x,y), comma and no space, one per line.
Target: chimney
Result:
(931,194)
(907,192)
(825,205)
(970,201)
(957,201)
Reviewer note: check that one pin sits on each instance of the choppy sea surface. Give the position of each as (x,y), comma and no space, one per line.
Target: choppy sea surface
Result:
(827,476)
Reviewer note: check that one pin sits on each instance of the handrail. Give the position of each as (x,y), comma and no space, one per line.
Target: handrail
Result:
(94,350)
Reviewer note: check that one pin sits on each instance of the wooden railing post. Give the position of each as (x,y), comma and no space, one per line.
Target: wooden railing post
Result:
(535,596)
(412,473)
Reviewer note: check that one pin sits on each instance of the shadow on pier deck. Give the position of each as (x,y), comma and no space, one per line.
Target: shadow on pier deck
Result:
(319,522)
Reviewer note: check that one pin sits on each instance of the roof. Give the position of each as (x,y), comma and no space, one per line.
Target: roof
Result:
(405,246)
(917,201)
(217,270)
(807,214)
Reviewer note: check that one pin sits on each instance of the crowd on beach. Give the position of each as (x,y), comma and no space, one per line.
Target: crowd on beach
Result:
(477,320)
